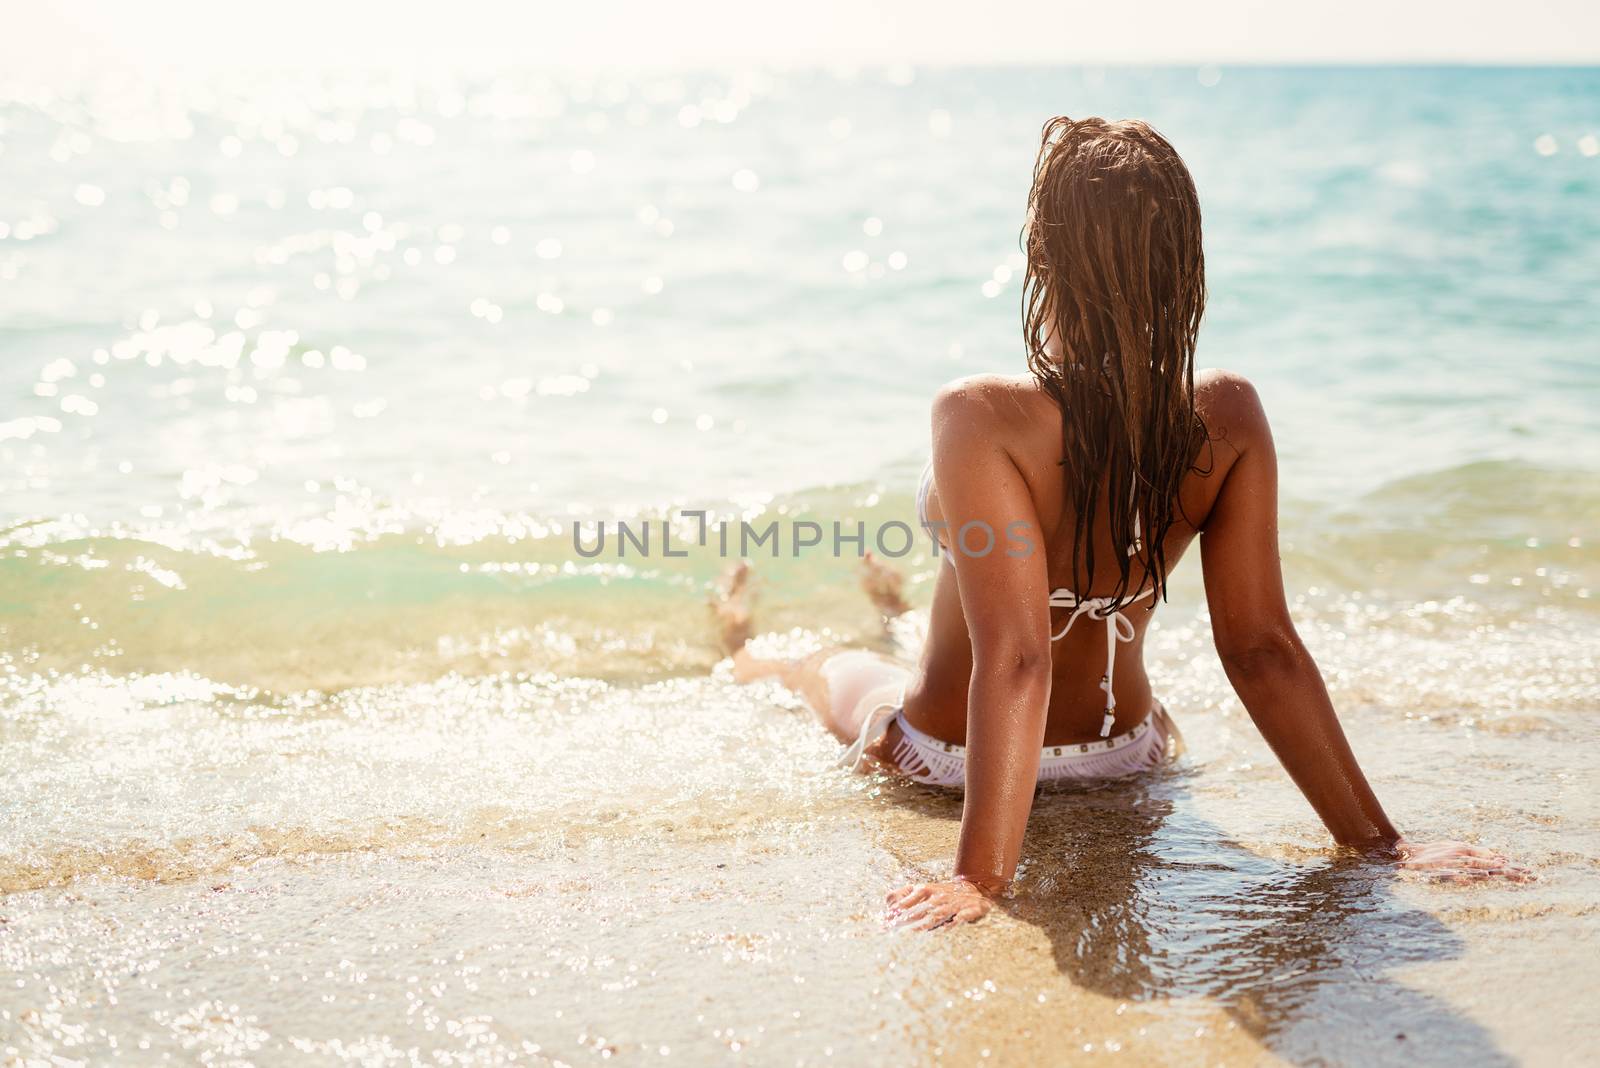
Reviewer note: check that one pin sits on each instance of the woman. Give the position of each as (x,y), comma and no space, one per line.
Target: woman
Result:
(1060,500)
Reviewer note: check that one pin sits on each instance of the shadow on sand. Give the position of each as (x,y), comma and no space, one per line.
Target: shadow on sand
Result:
(1142,901)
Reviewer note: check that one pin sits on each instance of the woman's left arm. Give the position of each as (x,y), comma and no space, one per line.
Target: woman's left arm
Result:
(1000,571)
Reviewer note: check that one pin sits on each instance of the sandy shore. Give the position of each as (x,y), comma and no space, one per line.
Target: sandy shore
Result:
(485,871)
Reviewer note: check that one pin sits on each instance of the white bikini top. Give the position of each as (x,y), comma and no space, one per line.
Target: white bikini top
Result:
(1119,628)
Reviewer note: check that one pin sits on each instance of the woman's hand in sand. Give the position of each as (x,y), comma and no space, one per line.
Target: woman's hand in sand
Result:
(929,905)
(1458,861)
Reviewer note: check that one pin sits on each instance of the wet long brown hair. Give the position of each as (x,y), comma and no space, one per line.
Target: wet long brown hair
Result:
(1117,275)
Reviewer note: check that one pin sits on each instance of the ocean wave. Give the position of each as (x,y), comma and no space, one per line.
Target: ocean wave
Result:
(403,598)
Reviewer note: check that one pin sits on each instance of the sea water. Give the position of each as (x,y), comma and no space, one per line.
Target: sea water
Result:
(323,739)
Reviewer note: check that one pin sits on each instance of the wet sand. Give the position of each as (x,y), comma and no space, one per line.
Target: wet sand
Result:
(549,870)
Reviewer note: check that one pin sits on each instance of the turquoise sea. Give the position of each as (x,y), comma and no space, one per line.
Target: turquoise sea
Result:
(321,741)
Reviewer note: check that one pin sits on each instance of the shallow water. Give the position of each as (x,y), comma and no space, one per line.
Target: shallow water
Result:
(322,740)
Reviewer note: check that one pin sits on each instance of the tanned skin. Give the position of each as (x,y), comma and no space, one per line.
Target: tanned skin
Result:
(1020,693)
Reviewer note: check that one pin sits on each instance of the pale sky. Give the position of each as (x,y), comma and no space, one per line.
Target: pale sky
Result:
(209,33)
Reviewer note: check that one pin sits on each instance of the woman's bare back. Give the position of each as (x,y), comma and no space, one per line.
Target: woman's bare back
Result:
(1030,422)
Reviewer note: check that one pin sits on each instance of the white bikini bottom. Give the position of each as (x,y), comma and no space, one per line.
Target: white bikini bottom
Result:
(923,758)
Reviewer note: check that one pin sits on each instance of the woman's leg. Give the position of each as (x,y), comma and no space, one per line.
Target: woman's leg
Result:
(832,681)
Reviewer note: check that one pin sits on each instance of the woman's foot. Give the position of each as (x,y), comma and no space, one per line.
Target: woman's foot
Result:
(883,584)
(731,606)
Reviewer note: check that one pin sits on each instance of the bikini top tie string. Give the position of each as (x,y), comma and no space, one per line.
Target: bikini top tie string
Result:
(1119,628)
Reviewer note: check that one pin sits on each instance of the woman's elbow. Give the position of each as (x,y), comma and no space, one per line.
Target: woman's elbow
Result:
(1026,665)
(1273,652)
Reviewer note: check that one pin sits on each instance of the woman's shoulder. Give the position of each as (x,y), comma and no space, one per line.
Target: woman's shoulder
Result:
(983,396)
(1228,400)
(1008,407)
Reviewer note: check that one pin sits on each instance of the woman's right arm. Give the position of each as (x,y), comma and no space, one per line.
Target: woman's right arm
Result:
(1263,655)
